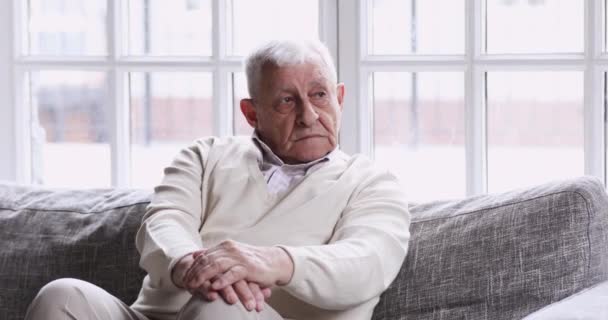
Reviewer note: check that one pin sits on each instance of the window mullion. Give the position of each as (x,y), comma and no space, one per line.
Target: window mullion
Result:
(594,126)
(222,113)
(352,133)
(328,26)
(8,142)
(19,23)
(21,106)
(24,156)
(120,145)
(475,109)
(23,128)
(120,142)
(366,112)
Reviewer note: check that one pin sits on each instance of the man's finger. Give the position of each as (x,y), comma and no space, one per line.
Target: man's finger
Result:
(257,293)
(188,279)
(192,271)
(204,294)
(229,295)
(212,296)
(195,254)
(245,294)
(202,260)
(208,271)
(267,292)
(229,277)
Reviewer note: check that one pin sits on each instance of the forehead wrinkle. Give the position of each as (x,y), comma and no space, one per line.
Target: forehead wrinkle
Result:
(291,83)
(319,82)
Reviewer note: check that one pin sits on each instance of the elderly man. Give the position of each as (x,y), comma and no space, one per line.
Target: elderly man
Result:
(279,225)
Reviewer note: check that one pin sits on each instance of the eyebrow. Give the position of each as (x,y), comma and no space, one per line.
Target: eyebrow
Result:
(318,82)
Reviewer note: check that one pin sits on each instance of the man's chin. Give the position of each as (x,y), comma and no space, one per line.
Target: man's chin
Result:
(310,155)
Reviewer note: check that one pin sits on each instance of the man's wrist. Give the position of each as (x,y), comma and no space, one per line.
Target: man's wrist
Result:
(284,266)
(180,269)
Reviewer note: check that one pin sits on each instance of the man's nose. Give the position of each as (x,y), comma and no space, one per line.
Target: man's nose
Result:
(307,115)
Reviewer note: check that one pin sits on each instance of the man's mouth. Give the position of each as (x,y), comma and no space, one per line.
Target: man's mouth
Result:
(309,137)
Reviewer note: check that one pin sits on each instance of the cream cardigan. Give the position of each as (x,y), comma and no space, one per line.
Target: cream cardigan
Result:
(345,225)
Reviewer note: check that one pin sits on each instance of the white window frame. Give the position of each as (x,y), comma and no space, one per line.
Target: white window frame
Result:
(343,27)
(7,124)
(15,129)
(355,68)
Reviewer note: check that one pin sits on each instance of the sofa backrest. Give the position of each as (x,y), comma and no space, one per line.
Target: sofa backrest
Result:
(50,234)
(501,256)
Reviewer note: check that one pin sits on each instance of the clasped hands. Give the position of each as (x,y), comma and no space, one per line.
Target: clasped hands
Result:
(234,271)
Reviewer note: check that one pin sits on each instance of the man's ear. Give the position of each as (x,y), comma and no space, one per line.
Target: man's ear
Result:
(248,110)
(340,91)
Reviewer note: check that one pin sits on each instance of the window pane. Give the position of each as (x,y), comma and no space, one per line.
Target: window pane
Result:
(62,27)
(169,110)
(169,28)
(239,85)
(398,27)
(535,128)
(254,22)
(70,146)
(534,26)
(419,131)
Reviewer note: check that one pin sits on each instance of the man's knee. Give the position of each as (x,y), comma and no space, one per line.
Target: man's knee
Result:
(52,298)
(199,309)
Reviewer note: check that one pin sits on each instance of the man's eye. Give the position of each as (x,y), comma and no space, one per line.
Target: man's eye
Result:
(287,100)
(320,94)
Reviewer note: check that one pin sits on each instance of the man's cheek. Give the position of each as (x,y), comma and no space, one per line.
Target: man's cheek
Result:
(327,123)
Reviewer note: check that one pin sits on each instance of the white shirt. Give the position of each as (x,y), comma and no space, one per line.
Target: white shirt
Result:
(281,177)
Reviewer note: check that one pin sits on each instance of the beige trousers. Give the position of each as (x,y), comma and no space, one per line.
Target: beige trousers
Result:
(77,299)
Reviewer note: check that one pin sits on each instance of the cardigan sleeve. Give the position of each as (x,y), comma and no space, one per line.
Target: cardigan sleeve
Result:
(363,256)
(170,225)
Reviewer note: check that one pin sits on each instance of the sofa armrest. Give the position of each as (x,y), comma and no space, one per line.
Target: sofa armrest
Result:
(502,256)
(588,304)
(51,233)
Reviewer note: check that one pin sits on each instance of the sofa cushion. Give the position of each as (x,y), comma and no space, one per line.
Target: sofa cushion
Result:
(50,234)
(501,256)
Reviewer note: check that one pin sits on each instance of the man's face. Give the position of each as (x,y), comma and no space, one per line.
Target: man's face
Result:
(297,111)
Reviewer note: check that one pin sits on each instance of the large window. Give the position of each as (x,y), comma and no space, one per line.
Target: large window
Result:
(482,95)
(456,97)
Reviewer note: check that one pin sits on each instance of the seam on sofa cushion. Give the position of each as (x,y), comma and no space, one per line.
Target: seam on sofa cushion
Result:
(588,238)
(502,205)
(74,211)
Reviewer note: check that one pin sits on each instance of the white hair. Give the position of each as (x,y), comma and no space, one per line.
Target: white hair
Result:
(286,53)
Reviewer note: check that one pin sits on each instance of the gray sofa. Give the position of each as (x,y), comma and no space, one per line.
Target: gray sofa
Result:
(502,256)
